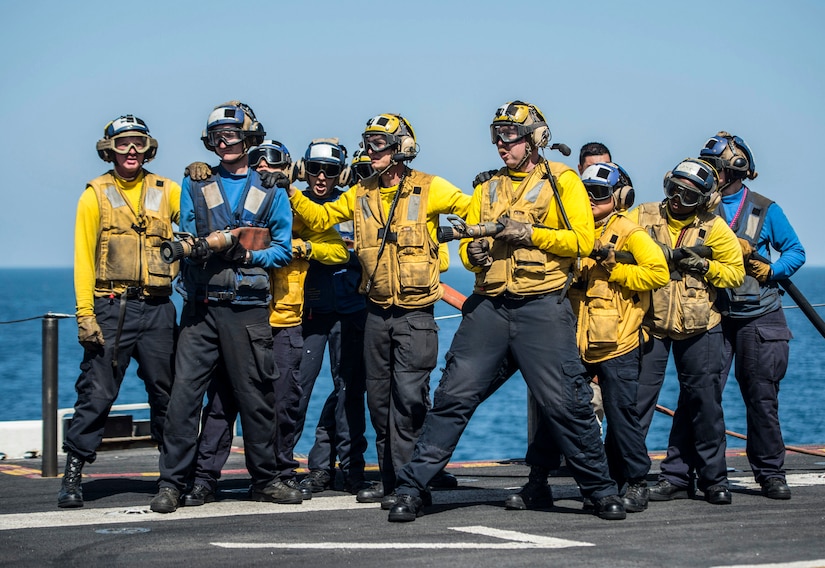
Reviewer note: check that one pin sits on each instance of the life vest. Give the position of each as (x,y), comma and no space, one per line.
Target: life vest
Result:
(521,270)
(406,274)
(128,248)
(218,279)
(750,299)
(334,288)
(609,315)
(682,308)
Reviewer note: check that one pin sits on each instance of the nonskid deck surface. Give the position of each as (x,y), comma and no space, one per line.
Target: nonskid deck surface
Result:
(467,526)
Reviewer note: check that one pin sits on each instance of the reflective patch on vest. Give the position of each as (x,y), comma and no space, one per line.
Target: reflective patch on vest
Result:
(365,207)
(413,207)
(493,191)
(533,194)
(254,199)
(114,197)
(212,194)
(153,199)
(753,225)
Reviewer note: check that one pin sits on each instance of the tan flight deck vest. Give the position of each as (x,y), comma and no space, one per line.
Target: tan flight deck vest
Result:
(609,315)
(407,272)
(126,256)
(682,308)
(526,271)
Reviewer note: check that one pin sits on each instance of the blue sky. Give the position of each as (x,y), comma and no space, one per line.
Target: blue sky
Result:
(653,80)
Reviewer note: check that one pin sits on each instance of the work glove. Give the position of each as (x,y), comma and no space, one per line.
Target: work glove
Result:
(478,252)
(88,333)
(762,271)
(747,249)
(693,263)
(198,171)
(515,233)
(200,251)
(605,255)
(483,176)
(236,252)
(301,248)
(274,179)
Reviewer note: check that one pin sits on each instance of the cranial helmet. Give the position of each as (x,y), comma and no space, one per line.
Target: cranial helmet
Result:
(273,153)
(607,179)
(237,117)
(731,153)
(327,156)
(126,126)
(527,119)
(361,166)
(397,132)
(702,192)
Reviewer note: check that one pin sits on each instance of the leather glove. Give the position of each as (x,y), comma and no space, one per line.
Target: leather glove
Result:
(236,252)
(301,248)
(515,233)
(762,271)
(693,263)
(198,171)
(200,251)
(89,334)
(747,249)
(274,179)
(478,252)
(605,255)
(483,176)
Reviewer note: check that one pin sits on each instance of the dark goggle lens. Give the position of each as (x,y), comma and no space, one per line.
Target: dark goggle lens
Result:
(271,156)
(688,196)
(598,192)
(329,170)
(227,136)
(364,170)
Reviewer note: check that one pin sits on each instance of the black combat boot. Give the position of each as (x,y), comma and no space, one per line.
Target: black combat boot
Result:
(535,494)
(71,495)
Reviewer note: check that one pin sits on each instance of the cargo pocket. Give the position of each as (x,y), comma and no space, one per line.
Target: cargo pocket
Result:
(263,354)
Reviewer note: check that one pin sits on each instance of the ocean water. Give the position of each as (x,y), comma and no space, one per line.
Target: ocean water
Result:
(498,430)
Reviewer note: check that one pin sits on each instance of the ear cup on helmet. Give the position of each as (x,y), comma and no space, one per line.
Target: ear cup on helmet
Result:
(714,199)
(541,136)
(624,197)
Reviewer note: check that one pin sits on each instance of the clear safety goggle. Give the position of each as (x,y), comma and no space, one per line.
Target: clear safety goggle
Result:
(598,192)
(507,133)
(329,170)
(378,142)
(688,196)
(272,156)
(363,170)
(124,143)
(228,136)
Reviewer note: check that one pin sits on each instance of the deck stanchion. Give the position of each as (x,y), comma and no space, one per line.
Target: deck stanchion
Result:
(50,341)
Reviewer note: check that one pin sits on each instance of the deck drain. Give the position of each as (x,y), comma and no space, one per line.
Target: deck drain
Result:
(123,530)
(130,512)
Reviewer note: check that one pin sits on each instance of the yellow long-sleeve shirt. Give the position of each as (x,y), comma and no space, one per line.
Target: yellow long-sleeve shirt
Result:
(87,231)
(556,239)
(444,198)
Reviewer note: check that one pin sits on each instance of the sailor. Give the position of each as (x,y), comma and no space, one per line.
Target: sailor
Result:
(334,318)
(122,290)
(753,323)
(285,311)
(684,318)
(518,310)
(225,318)
(396,215)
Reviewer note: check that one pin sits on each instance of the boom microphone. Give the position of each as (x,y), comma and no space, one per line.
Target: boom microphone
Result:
(402,157)
(563,148)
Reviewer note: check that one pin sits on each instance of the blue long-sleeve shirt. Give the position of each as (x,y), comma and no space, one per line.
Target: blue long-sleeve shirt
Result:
(777,234)
(279,219)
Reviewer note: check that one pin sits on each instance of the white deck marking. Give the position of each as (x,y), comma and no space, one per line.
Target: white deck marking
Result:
(802,564)
(516,540)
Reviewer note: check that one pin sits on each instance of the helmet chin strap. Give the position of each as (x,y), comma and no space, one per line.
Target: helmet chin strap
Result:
(528,150)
